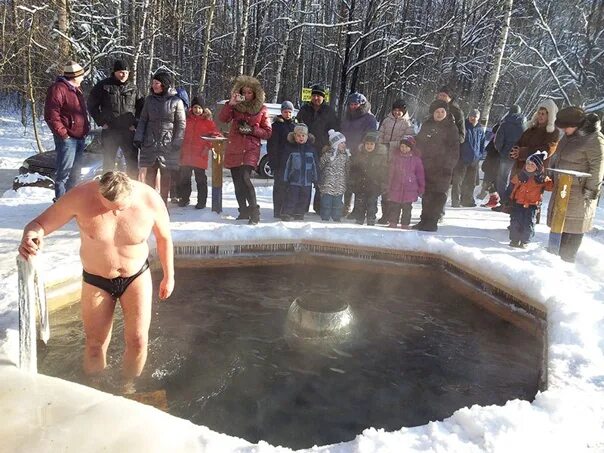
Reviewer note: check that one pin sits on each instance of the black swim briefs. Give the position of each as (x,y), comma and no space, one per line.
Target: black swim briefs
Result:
(114,286)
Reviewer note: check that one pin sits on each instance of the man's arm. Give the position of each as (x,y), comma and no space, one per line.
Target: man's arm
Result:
(50,220)
(165,249)
(52,111)
(94,104)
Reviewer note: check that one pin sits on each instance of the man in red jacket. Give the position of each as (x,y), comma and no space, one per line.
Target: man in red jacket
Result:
(65,114)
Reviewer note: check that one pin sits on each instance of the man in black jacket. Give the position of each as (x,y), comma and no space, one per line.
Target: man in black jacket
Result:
(112,105)
(277,154)
(320,118)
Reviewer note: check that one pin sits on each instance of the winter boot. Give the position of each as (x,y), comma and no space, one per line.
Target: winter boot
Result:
(254,215)
(244,213)
(493,201)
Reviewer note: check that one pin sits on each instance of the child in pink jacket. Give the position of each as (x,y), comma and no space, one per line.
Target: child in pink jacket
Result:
(406,182)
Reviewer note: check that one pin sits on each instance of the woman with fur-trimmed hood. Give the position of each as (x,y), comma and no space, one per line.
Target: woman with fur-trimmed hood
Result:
(581,149)
(541,135)
(249,124)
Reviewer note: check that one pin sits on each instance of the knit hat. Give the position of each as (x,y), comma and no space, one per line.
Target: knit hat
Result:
(537,158)
(475,113)
(72,70)
(438,104)
(196,101)
(408,140)
(301,128)
(335,138)
(515,109)
(356,98)
(287,105)
(120,65)
(318,89)
(164,78)
(570,117)
(399,104)
(371,136)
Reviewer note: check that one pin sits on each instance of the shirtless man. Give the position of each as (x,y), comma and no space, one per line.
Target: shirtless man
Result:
(116,216)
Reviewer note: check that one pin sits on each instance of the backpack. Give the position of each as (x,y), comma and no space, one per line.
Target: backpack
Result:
(184,96)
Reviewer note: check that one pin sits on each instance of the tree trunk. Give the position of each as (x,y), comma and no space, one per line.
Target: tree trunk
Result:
(64,45)
(206,46)
(30,86)
(493,77)
(242,35)
(345,63)
(141,38)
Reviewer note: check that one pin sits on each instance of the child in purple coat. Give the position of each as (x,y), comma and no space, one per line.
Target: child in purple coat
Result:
(406,182)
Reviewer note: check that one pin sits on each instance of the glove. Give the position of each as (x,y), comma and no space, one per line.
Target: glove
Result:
(244,128)
(589,194)
(137,144)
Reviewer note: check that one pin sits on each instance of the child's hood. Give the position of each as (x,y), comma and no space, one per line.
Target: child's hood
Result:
(291,139)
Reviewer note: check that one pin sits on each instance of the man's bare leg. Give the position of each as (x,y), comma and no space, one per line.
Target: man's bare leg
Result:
(97,316)
(136,307)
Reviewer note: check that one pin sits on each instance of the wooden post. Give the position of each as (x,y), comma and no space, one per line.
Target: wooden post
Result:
(217,153)
(562,194)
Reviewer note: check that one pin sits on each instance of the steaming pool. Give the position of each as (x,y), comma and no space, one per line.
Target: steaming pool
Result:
(425,339)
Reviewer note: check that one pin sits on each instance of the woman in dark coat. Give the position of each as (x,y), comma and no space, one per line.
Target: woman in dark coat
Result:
(160,133)
(580,149)
(249,124)
(438,143)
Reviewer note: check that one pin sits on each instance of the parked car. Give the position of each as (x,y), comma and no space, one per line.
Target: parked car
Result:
(263,169)
(39,170)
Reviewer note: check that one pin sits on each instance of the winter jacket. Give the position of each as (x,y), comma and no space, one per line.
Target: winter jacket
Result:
(369,171)
(112,102)
(583,151)
(356,124)
(319,122)
(406,180)
(275,146)
(510,131)
(459,119)
(161,130)
(491,161)
(392,130)
(244,148)
(301,165)
(438,143)
(472,149)
(529,193)
(535,139)
(65,110)
(334,171)
(195,150)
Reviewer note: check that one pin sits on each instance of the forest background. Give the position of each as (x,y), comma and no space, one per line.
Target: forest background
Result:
(491,53)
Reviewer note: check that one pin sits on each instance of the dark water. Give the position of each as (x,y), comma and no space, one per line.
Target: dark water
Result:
(419,352)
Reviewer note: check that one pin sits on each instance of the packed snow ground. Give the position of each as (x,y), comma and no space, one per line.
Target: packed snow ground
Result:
(40,413)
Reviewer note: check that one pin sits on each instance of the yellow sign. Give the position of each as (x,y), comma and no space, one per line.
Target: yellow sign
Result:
(307,93)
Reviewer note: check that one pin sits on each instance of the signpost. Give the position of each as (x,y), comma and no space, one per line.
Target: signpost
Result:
(562,194)
(217,164)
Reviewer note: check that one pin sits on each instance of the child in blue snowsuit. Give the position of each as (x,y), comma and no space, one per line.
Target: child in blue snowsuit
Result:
(300,173)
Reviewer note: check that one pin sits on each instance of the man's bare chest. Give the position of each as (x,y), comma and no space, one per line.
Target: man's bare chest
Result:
(116,228)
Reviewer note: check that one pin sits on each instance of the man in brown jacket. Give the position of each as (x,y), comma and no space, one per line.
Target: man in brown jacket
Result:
(66,116)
